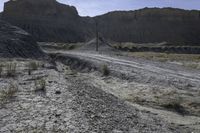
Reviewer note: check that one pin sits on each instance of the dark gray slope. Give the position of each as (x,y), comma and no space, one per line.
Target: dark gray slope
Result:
(14,42)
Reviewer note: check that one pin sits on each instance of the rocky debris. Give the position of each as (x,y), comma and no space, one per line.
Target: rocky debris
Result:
(15,42)
(48,20)
(106,113)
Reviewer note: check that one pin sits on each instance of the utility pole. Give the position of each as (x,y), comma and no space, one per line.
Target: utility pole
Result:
(97,36)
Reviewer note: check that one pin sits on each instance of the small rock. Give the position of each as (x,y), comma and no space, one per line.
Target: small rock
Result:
(50,82)
(58,92)
(57,115)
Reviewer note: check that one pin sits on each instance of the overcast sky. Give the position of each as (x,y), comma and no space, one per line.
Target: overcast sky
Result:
(97,7)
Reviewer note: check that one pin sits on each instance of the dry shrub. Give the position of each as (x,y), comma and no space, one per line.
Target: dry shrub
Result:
(40,85)
(1,69)
(11,69)
(32,66)
(105,70)
(8,92)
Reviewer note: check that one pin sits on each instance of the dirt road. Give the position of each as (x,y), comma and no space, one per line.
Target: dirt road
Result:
(164,74)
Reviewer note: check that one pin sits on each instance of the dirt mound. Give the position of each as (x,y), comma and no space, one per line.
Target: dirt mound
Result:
(15,42)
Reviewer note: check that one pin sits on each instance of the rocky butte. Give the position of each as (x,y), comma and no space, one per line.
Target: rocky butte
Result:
(48,20)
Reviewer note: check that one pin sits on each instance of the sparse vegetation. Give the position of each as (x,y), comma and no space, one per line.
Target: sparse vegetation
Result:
(174,103)
(8,92)
(166,56)
(34,65)
(192,65)
(187,60)
(11,69)
(105,70)
(136,99)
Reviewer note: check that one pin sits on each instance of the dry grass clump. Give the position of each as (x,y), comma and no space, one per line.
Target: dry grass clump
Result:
(175,106)
(11,69)
(136,99)
(40,85)
(8,92)
(105,70)
(192,65)
(174,103)
(1,70)
(33,65)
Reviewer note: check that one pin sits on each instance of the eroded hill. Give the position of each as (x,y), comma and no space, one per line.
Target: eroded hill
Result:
(15,42)
(49,20)
(152,25)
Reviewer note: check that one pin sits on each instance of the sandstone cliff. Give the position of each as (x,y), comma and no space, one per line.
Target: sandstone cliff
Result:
(15,42)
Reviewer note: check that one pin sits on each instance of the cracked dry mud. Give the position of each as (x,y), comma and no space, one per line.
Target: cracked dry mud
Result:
(71,104)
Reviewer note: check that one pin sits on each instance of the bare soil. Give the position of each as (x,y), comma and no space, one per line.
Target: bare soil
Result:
(70,93)
(69,103)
